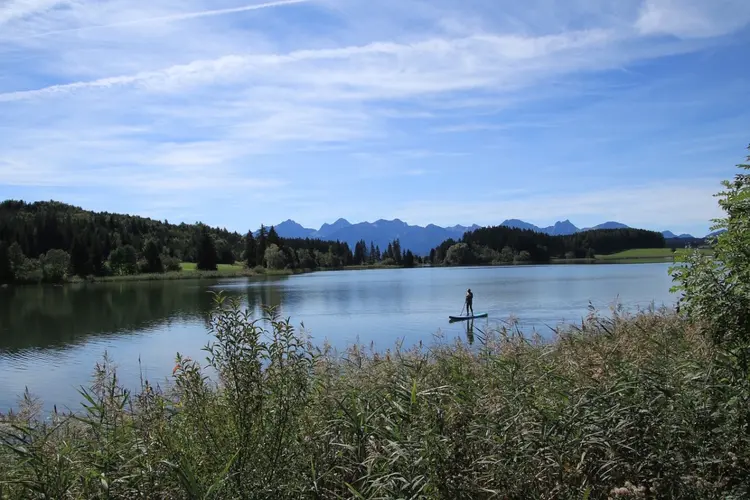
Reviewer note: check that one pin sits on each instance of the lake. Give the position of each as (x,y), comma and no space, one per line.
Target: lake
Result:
(52,337)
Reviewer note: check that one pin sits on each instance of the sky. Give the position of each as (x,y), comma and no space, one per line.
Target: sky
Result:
(430,111)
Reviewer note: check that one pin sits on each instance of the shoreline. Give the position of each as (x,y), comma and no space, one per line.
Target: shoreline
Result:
(186,275)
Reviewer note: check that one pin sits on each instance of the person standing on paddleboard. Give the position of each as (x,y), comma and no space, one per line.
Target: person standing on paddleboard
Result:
(469,301)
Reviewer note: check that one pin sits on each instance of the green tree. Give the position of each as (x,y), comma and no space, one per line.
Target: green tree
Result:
(16,258)
(397,254)
(360,253)
(273,237)
(6,270)
(152,254)
(507,255)
(251,251)
(523,256)
(79,258)
(224,252)
(274,257)
(409,259)
(207,257)
(716,290)
(55,265)
(124,260)
(306,259)
(458,255)
(262,245)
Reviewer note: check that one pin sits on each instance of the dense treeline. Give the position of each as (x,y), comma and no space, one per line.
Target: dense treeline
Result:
(52,241)
(501,244)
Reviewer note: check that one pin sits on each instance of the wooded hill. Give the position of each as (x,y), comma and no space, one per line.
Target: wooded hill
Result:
(502,244)
(49,241)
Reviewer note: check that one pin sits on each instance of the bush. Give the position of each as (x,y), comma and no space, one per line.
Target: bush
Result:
(124,260)
(29,271)
(717,289)
(171,264)
(459,254)
(55,265)
(274,257)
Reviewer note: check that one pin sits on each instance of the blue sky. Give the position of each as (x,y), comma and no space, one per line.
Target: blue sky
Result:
(437,111)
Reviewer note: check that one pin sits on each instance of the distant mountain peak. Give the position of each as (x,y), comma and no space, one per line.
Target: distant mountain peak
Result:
(421,240)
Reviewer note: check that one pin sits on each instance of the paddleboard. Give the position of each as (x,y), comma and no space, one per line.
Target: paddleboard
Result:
(462,318)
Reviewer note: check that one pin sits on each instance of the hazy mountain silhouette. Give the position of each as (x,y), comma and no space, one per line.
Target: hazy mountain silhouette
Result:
(419,239)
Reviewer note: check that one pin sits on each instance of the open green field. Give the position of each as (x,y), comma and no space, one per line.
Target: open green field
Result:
(658,254)
(192,266)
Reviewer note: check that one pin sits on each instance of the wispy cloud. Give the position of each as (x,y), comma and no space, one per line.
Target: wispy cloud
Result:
(17,9)
(168,18)
(693,18)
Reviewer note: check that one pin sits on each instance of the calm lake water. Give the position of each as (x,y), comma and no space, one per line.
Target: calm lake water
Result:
(52,337)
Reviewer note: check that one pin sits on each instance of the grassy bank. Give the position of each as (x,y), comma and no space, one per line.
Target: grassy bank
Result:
(649,254)
(631,407)
(190,272)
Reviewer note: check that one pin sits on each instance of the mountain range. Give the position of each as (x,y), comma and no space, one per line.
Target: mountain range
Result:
(419,239)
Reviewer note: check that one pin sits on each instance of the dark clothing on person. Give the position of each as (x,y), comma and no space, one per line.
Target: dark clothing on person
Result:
(469,302)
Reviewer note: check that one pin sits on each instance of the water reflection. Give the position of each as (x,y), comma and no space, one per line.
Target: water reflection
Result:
(47,317)
(51,337)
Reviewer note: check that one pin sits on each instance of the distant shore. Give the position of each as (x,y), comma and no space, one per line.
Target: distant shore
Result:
(190,272)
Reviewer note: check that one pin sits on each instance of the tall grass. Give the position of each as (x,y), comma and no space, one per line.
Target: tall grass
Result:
(632,406)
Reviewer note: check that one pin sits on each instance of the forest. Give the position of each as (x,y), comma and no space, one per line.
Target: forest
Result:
(501,244)
(53,241)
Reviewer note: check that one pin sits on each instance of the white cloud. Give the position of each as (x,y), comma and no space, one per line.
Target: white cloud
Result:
(381,70)
(693,18)
(171,17)
(18,9)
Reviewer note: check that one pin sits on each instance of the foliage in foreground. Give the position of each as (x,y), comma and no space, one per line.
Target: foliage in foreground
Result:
(629,407)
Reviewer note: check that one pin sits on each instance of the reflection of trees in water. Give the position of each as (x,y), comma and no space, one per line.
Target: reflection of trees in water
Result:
(265,295)
(47,316)
(55,316)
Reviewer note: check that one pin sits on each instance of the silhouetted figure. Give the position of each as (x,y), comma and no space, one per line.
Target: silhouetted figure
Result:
(469,302)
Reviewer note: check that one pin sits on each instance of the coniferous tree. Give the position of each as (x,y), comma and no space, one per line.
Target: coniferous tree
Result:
(207,258)
(251,251)
(373,255)
(6,271)
(153,257)
(408,259)
(273,238)
(79,258)
(359,253)
(397,255)
(262,245)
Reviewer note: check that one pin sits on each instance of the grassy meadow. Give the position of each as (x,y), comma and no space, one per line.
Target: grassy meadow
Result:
(650,254)
(222,268)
